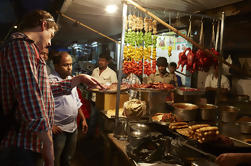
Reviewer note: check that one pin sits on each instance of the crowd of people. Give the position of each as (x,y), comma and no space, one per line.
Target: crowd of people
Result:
(44,101)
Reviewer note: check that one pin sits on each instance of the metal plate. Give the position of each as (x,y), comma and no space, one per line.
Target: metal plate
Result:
(183,91)
(152,90)
(158,121)
(106,91)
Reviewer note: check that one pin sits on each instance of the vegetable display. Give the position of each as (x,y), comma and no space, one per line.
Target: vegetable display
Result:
(140,48)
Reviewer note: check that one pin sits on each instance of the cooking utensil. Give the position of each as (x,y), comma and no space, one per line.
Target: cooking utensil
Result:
(120,131)
(245,127)
(242,98)
(208,112)
(186,111)
(136,137)
(228,113)
(137,126)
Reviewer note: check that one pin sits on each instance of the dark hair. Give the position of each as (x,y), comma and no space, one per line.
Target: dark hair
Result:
(56,58)
(162,61)
(173,64)
(35,18)
(105,56)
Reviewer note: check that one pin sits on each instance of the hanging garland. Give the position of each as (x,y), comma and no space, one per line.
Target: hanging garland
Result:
(140,48)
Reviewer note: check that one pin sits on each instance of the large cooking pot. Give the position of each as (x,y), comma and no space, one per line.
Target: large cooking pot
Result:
(186,111)
(242,98)
(245,127)
(228,113)
(209,112)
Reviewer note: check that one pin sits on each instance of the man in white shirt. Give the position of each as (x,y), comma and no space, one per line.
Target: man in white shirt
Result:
(211,85)
(103,73)
(67,108)
(212,81)
(105,76)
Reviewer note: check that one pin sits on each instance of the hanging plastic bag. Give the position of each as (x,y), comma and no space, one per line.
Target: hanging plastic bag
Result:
(189,28)
(201,33)
(213,35)
(225,68)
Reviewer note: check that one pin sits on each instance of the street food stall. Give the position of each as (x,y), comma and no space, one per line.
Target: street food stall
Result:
(202,129)
(149,129)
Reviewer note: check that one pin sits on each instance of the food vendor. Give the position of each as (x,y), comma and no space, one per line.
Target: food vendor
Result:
(211,85)
(103,73)
(176,80)
(161,76)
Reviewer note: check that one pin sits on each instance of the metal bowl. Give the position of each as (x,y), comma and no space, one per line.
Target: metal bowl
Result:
(186,111)
(136,137)
(228,113)
(136,126)
(209,112)
(245,127)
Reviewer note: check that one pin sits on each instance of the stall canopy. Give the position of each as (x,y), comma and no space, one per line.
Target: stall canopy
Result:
(92,13)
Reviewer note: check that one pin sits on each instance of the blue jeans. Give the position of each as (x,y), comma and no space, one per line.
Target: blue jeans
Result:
(14,156)
(93,121)
(64,147)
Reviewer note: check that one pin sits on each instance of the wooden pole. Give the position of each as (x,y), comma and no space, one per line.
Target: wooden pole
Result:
(218,91)
(165,24)
(86,26)
(179,33)
(124,16)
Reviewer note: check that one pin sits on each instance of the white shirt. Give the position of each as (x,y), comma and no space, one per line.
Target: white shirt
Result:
(66,108)
(107,76)
(212,82)
(131,79)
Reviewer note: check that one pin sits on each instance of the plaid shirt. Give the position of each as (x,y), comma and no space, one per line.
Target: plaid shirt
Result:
(24,83)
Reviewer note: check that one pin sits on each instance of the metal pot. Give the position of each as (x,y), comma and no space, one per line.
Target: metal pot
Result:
(245,127)
(209,112)
(186,111)
(228,113)
(136,137)
(137,126)
(242,98)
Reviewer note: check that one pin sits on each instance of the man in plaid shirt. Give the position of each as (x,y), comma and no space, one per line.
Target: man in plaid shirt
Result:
(25,84)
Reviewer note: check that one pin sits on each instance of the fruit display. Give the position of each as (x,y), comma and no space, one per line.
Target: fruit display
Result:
(140,48)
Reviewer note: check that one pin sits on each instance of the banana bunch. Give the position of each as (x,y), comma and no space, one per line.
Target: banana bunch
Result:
(139,54)
(154,53)
(125,53)
(139,38)
(154,42)
(148,39)
(169,51)
(147,53)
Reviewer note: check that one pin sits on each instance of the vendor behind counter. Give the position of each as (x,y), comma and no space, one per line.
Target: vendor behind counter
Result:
(211,85)
(162,76)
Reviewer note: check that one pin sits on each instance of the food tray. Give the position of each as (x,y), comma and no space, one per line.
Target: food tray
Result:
(106,91)
(189,91)
(217,148)
(152,90)
(161,122)
(156,118)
